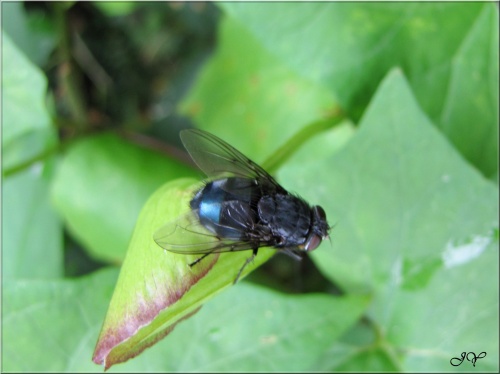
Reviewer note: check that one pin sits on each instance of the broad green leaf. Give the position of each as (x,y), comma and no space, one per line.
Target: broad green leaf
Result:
(100,187)
(51,325)
(448,51)
(32,237)
(416,225)
(26,126)
(31,230)
(251,98)
(470,115)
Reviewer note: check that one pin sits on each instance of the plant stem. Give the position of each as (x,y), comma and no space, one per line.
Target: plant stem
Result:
(69,75)
(283,153)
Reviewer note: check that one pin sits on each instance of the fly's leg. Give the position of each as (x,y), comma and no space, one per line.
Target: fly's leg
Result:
(202,257)
(199,259)
(250,259)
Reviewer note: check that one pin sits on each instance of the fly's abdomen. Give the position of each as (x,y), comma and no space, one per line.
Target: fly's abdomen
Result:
(225,207)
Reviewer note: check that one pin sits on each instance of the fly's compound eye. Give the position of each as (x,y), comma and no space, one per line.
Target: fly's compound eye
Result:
(312,242)
(319,212)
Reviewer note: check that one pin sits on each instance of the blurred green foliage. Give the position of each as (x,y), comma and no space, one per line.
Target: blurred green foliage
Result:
(384,114)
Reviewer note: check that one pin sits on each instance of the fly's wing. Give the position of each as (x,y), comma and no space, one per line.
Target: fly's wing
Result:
(187,236)
(217,158)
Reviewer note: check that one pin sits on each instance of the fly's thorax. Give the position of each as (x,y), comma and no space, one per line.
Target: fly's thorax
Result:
(288,217)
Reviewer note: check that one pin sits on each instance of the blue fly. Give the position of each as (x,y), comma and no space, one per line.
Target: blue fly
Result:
(240,207)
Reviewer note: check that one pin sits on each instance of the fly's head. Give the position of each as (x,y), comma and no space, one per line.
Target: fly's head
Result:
(319,229)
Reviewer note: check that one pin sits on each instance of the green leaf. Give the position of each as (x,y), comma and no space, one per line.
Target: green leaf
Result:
(26,133)
(157,288)
(416,225)
(32,232)
(51,325)
(100,187)
(448,51)
(470,115)
(256,105)
(32,237)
